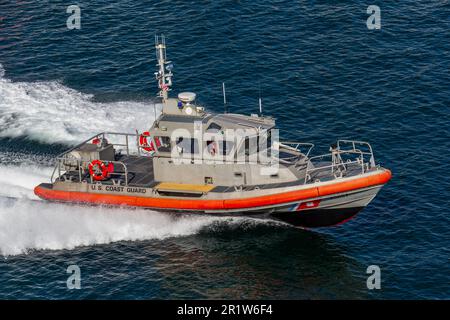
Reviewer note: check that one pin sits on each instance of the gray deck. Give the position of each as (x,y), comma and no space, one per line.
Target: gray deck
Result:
(140,170)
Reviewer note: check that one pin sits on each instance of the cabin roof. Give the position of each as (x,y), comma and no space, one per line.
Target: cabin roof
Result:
(235,121)
(225,121)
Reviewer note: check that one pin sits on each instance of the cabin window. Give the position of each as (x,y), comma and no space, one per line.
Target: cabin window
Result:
(269,143)
(164,144)
(248,150)
(222,147)
(187,145)
(251,145)
(265,143)
(214,126)
(225,147)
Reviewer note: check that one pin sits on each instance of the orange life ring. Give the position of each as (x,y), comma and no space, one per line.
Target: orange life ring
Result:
(143,142)
(103,170)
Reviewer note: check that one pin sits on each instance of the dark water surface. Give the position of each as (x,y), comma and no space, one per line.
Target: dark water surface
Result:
(323,75)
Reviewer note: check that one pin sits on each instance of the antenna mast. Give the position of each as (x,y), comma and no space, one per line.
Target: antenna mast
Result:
(260,100)
(164,79)
(260,106)
(224,97)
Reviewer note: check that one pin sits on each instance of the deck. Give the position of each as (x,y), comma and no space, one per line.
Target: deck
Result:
(139,172)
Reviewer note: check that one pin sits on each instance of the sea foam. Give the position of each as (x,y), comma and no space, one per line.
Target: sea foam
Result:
(50,112)
(28,225)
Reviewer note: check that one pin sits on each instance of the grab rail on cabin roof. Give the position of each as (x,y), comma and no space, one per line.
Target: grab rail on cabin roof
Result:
(296,146)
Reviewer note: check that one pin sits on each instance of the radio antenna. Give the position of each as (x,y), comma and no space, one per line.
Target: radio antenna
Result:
(224,97)
(260,101)
(164,74)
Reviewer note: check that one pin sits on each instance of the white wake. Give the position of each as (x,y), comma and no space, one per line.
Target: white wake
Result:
(50,112)
(19,181)
(27,223)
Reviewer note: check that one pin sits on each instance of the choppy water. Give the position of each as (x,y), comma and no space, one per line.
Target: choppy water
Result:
(322,73)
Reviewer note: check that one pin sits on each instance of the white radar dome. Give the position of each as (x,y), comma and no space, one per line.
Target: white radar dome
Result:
(186,97)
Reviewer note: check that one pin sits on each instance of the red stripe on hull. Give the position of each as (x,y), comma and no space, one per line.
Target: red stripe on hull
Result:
(197,204)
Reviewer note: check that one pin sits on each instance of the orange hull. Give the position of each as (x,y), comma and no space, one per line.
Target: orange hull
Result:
(207,204)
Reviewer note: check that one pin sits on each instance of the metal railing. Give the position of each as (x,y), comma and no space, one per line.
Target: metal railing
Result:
(354,144)
(102,137)
(297,146)
(82,167)
(338,165)
(66,160)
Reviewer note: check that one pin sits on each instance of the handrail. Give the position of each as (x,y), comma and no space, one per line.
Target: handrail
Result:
(340,163)
(364,143)
(79,145)
(102,135)
(297,146)
(79,164)
(353,143)
(64,156)
(332,166)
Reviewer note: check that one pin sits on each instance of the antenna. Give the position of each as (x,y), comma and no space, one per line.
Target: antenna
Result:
(164,79)
(260,106)
(224,97)
(260,101)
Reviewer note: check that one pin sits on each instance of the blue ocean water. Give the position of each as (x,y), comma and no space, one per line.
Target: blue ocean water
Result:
(322,74)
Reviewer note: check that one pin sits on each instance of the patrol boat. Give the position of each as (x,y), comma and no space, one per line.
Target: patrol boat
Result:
(227,164)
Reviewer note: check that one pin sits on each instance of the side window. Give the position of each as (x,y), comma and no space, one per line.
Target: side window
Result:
(163,144)
(269,143)
(225,147)
(213,127)
(248,149)
(187,145)
(251,145)
(241,154)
